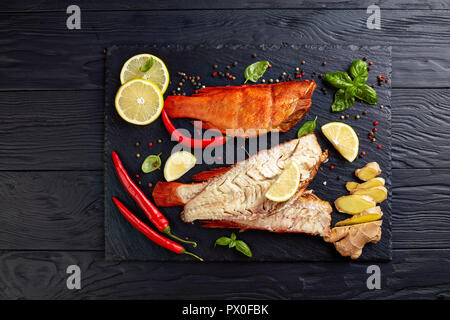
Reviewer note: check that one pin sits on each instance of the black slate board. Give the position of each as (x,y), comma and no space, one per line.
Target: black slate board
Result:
(123,242)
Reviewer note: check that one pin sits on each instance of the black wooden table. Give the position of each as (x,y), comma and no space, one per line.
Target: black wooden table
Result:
(51,146)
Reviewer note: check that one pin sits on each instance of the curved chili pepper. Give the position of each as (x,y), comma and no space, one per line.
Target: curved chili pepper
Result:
(153,214)
(187,141)
(149,233)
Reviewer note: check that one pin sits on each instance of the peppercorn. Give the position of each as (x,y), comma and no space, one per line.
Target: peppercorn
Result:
(263,81)
(150,184)
(139,182)
(297,69)
(184,93)
(228,67)
(303,61)
(347,116)
(180,83)
(270,80)
(339,177)
(379,146)
(313,74)
(374,129)
(137,175)
(342,117)
(331,167)
(365,59)
(215,66)
(235,63)
(276,80)
(369,68)
(321,76)
(324,63)
(381,107)
(386,80)
(174,91)
(375,123)
(365,112)
(138,155)
(357,116)
(373,139)
(178,89)
(254,55)
(221,74)
(284,74)
(370,63)
(363,153)
(137,144)
(234,78)
(372,86)
(159,140)
(270,66)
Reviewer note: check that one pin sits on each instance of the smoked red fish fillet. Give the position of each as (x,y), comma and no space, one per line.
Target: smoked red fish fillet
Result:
(247,110)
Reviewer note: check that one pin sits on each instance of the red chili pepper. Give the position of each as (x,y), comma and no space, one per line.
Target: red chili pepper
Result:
(374,129)
(331,167)
(375,123)
(152,213)
(379,146)
(151,234)
(189,142)
(214,74)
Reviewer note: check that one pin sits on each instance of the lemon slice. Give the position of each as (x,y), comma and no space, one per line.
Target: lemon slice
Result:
(286,185)
(343,138)
(178,164)
(139,101)
(157,73)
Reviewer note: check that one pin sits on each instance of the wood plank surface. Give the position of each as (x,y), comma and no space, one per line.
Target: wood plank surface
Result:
(414,274)
(64,210)
(71,59)
(61,5)
(63,130)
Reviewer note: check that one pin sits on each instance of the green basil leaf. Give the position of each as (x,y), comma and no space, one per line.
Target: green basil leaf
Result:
(148,65)
(360,80)
(340,102)
(232,243)
(222,241)
(367,94)
(358,69)
(307,127)
(242,247)
(149,163)
(350,92)
(233,236)
(339,79)
(255,71)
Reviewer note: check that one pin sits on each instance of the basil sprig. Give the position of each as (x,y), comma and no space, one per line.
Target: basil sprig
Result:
(351,86)
(151,163)
(255,71)
(148,65)
(232,242)
(307,127)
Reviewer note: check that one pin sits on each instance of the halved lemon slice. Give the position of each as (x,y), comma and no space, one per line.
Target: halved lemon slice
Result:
(139,101)
(286,185)
(178,164)
(157,73)
(343,138)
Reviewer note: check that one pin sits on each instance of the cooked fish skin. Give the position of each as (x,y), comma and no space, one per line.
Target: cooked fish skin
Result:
(247,110)
(218,201)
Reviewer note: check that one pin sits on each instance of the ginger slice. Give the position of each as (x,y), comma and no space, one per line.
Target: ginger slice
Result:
(369,171)
(354,204)
(379,194)
(368,215)
(374,182)
(349,241)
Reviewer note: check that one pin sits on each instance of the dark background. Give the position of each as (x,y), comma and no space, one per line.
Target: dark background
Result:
(51,146)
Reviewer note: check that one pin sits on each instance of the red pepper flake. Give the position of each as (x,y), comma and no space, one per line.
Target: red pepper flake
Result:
(383,77)
(363,153)
(137,176)
(270,66)
(214,74)
(375,123)
(219,158)
(312,80)
(303,73)
(230,76)
(331,167)
(150,144)
(379,146)
(297,76)
(374,129)
(370,63)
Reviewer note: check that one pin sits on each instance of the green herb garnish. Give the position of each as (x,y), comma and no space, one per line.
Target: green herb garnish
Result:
(255,71)
(307,127)
(232,242)
(151,163)
(148,65)
(351,86)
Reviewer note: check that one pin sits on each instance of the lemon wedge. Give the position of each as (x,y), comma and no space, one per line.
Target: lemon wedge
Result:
(139,101)
(286,185)
(178,164)
(343,138)
(158,73)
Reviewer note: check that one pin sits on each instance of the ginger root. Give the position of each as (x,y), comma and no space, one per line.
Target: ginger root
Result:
(369,171)
(379,194)
(368,215)
(372,183)
(354,204)
(349,241)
